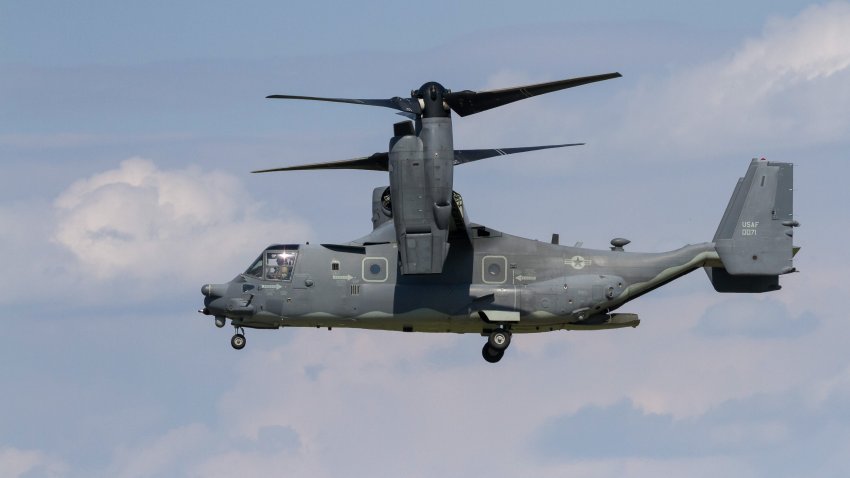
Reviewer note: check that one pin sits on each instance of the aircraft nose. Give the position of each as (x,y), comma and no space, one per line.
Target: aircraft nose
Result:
(214,290)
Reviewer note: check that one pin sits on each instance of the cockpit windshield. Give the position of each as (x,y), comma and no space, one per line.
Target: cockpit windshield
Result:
(256,269)
(274,264)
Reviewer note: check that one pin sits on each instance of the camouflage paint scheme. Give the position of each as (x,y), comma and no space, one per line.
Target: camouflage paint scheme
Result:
(491,279)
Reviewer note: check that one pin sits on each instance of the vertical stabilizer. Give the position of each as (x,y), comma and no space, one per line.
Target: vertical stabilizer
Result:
(755,235)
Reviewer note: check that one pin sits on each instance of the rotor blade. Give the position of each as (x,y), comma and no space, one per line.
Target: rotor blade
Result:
(468,155)
(410,116)
(376,162)
(407,105)
(468,102)
(380,161)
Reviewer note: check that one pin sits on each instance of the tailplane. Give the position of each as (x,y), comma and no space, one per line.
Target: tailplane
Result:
(754,239)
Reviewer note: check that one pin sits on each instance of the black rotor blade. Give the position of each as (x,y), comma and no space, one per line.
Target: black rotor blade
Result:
(380,161)
(376,162)
(407,105)
(468,102)
(468,155)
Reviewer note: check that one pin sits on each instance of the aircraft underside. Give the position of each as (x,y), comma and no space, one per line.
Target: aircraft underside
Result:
(429,320)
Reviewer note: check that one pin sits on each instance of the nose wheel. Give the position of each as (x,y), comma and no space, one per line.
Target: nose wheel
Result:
(497,343)
(238,339)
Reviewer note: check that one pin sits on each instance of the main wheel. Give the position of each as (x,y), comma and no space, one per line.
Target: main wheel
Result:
(238,342)
(492,355)
(499,339)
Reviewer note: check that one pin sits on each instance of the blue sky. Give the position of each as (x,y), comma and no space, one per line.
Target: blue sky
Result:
(126,135)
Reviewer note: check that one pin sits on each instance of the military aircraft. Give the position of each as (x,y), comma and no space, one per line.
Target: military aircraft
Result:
(425,267)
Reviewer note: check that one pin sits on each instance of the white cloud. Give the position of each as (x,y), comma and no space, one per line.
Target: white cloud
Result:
(814,44)
(160,457)
(15,462)
(788,87)
(142,222)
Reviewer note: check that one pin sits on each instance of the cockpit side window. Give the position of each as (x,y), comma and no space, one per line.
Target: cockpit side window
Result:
(256,269)
(280,264)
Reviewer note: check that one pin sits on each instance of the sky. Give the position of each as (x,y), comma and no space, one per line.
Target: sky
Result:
(127,133)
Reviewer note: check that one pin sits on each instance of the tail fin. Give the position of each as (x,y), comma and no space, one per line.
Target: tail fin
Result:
(754,239)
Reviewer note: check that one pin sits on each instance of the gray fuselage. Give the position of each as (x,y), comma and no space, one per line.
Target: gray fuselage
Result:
(490,279)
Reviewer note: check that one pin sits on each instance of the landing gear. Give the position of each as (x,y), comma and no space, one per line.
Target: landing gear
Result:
(499,339)
(238,340)
(492,355)
(497,343)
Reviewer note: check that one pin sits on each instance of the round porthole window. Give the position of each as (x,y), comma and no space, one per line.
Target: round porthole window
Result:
(494,270)
(375,269)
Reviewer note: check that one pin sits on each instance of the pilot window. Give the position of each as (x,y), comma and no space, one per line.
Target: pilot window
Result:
(280,264)
(256,269)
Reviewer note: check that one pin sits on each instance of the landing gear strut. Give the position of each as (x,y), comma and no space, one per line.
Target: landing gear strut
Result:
(497,343)
(238,340)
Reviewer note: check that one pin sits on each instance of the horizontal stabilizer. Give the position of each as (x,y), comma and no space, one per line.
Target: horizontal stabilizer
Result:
(726,282)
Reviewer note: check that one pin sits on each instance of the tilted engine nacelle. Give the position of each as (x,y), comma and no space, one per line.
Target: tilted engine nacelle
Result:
(421,191)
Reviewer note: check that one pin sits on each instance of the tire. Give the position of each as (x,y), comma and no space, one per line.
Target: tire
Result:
(238,342)
(499,339)
(491,355)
